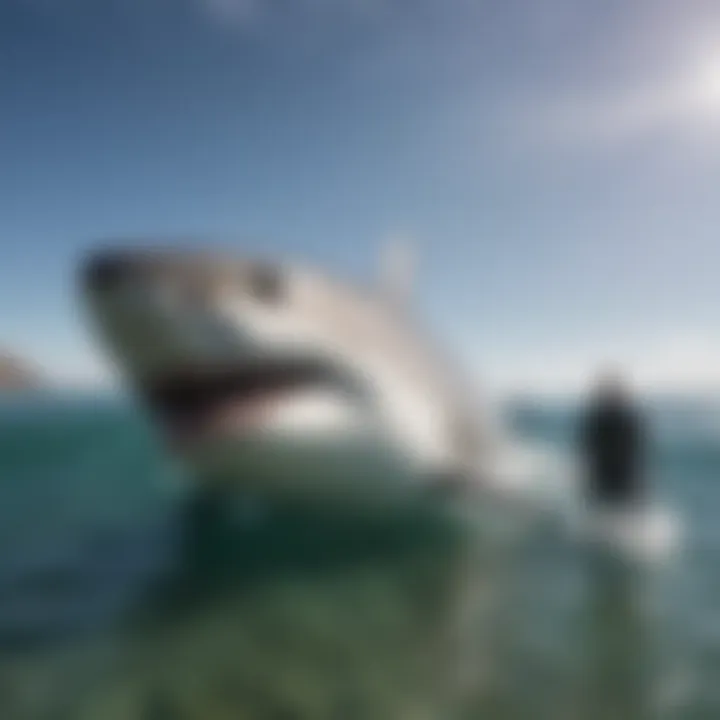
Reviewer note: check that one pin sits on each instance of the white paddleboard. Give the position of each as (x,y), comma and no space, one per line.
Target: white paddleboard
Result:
(650,532)
(549,483)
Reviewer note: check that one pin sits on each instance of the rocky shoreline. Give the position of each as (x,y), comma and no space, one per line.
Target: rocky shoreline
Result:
(17,374)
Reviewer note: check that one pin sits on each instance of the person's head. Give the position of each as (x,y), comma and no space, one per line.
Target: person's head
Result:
(610,385)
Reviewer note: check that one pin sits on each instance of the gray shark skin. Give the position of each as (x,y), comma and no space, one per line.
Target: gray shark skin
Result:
(278,377)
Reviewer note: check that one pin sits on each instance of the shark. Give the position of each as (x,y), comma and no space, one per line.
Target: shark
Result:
(281,378)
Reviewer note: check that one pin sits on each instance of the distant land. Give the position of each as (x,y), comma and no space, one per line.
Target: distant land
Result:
(18,374)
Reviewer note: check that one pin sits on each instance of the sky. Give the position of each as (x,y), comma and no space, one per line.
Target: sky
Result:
(555,164)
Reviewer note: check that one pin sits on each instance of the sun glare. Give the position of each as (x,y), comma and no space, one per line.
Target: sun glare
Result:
(706,85)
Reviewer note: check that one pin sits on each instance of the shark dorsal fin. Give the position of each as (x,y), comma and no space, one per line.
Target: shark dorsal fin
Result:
(397,270)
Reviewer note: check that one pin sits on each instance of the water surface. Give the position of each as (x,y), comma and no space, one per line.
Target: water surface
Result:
(118,599)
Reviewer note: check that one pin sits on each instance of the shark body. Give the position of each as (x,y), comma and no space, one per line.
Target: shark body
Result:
(272,375)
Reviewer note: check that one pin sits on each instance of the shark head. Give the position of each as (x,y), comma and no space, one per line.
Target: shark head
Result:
(230,352)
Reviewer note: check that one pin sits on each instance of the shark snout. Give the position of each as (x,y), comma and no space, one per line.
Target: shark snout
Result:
(155,312)
(102,272)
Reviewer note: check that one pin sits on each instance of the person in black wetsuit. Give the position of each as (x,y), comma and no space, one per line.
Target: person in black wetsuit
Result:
(613,445)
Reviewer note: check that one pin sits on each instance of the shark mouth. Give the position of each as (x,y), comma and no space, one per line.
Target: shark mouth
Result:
(242,401)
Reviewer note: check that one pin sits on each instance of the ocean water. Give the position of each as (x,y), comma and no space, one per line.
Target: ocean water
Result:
(122,599)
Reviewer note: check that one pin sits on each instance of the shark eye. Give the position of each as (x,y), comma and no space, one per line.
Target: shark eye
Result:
(265,284)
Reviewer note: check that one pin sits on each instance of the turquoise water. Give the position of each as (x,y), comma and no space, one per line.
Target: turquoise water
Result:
(120,599)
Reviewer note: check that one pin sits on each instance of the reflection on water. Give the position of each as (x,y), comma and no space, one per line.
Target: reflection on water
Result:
(300,616)
(118,600)
(294,616)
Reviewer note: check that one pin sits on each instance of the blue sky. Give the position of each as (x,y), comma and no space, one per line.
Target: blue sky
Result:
(556,164)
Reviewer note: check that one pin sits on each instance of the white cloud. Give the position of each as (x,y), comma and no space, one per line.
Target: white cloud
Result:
(687,103)
(668,89)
